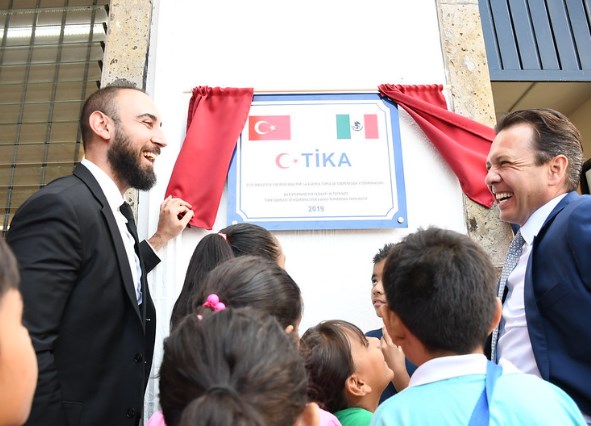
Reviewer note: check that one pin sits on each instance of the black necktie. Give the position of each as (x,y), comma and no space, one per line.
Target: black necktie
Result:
(125,210)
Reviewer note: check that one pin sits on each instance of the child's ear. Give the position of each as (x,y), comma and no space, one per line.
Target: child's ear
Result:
(356,386)
(310,416)
(289,329)
(497,316)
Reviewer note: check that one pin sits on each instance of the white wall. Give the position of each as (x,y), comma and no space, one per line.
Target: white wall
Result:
(286,46)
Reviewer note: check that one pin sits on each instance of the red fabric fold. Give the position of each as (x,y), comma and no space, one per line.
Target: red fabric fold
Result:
(215,120)
(463,143)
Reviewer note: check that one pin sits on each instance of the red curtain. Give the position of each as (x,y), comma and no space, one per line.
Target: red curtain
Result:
(462,142)
(215,120)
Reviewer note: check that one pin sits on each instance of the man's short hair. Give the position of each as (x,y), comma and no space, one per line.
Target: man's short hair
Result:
(102,100)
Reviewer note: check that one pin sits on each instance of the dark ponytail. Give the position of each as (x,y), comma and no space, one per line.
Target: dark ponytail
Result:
(212,250)
(255,282)
(220,407)
(233,367)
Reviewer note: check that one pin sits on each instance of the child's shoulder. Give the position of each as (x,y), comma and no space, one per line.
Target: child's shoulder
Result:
(528,386)
(519,395)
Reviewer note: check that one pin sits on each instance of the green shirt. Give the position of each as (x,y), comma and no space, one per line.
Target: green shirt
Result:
(354,416)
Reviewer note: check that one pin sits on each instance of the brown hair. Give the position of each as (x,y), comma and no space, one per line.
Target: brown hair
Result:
(327,353)
(554,134)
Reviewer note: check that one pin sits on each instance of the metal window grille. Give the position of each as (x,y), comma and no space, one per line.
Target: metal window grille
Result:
(51,55)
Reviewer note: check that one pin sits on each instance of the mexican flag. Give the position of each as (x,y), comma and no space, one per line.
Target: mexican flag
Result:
(352,126)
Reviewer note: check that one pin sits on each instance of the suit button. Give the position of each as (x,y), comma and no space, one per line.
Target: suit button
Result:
(130,413)
(138,358)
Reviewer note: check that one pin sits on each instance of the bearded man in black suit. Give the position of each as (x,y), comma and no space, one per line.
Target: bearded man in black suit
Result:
(87,304)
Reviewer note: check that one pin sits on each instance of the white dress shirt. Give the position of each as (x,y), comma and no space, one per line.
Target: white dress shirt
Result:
(115,200)
(514,343)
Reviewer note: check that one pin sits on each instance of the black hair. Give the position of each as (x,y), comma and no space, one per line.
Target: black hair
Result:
(442,286)
(211,250)
(327,353)
(235,367)
(256,282)
(102,100)
(251,239)
(382,253)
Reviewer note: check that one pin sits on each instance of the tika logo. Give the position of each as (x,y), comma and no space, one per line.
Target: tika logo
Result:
(269,127)
(314,159)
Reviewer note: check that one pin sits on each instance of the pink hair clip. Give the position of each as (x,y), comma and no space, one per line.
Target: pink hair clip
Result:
(213,302)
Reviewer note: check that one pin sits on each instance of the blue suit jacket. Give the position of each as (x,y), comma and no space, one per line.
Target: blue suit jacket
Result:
(558,298)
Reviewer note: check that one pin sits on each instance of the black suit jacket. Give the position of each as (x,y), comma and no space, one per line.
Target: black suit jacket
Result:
(94,343)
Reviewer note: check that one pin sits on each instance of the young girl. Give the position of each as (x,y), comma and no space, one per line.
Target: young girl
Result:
(211,250)
(255,282)
(250,239)
(235,367)
(240,239)
(347,372)
(247,281)
(18,365)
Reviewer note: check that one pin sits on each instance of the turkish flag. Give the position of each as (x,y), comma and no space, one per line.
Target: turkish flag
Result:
(269,127)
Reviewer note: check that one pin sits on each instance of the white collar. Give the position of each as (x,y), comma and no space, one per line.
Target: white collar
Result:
(108,186)
(532,227)
(448,367)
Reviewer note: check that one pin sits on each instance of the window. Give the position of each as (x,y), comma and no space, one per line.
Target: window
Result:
(50,61)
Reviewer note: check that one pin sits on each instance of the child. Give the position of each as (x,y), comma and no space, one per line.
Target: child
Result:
(393,354)
(235,367)
(211,250)
(240,239)
(255,282)
(441,306)
(251,239)
(347,372)
(248,281)
(18,364)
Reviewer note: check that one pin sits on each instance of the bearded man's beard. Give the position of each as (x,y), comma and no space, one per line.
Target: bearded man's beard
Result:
(126,164)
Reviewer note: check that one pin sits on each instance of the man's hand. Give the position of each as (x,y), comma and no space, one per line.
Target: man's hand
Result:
(175,214)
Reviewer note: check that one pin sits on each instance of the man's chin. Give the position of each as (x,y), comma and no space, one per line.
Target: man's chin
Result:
(144,183)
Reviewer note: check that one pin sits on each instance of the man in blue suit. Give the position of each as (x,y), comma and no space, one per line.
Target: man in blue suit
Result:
(534,166)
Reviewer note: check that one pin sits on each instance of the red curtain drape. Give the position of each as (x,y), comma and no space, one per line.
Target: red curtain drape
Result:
(463,143)
(215,120)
